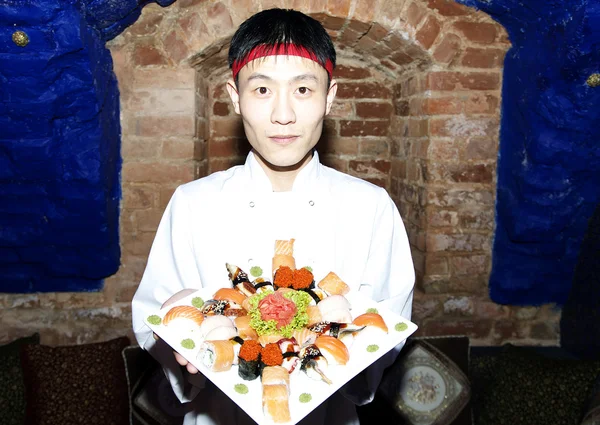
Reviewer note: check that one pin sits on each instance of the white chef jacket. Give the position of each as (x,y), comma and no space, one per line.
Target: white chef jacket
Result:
(340,223)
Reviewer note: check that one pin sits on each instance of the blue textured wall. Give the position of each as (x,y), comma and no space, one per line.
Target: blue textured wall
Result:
(549,161)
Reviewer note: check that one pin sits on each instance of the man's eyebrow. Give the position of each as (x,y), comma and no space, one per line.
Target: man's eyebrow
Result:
(305,77)
(257,76)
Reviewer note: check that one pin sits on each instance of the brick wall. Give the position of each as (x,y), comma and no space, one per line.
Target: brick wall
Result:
(417,113)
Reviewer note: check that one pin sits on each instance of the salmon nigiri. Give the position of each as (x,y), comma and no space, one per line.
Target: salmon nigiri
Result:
(334,350)
(184,315)
(242,323)
(230,294)
(371,320)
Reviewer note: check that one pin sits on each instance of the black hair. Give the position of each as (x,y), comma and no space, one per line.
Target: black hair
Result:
(275,27)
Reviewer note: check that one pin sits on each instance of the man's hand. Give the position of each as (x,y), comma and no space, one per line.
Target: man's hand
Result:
(179,295)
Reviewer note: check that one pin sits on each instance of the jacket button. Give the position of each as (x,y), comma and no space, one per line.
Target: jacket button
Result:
(311,203)
(251,204)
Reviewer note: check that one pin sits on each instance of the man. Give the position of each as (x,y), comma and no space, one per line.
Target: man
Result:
(282,86)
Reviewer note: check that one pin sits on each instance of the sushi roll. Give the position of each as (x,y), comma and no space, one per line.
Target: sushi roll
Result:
(217,356)
(283,256)
(237,342)
(184,317)
(249,360)
(275,401)
(303,279)
(333,285)
(334,350)
(284,277)
(275,375)
(262,285)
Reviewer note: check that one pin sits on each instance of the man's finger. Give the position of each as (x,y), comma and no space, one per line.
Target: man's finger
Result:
(180,359)
(191,368)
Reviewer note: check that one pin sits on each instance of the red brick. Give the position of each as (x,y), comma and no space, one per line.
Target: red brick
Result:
(419,148)
(364,11)
(140,148)
(349,36)
(370,167)
(175,47)
(479,219)
(415,106)
(401,58)
(401,108)
(336,163)
(436,265)
(418,128)
(442,106)
(351,72)
(428,32)
(373,110)
(155,79)
(473,328)
(157,172)
(220,164)
(443,150)
(377,32)
(414,14)
(219,19)
(442,218)
(462,81)
(469,265)
(229,147)
(449,8)
(221,109)
(226,127)
(165,195)
(398,168)
(364,128)
(329,22)
(477,32)
(145,55)
(138,197)
(178,149)
(138,243)
(463,126)
(147,24)
(378,181)
(342,110)
(472,173)
(480,148)
(448,49)
(482,103)
(378,148)
(148,220)
(412,86)
(338,146)
(165,126)
(189,3)
(220,93)
(483,58)
(363,91)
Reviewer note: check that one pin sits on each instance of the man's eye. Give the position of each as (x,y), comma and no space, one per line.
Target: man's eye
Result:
(262,90)
(303,90)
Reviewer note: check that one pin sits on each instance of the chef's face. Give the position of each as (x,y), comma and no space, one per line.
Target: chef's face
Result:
(283,101)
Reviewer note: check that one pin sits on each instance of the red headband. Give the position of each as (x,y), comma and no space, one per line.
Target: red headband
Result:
(280,49)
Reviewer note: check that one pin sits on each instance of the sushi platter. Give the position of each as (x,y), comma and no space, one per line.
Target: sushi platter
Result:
(280,349)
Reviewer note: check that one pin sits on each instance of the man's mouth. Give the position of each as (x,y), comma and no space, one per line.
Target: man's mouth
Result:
(283,139)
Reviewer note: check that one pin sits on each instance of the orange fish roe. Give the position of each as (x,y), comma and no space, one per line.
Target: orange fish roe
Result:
(271,355)
(303,278)
(284,276)
(250,350)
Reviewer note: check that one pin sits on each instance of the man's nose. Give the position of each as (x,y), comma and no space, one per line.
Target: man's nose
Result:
(283,111)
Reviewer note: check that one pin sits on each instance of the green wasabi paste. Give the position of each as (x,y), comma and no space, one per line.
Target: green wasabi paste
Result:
(154,320)
(372,348)
(372,310)
(188,344)
(197,302)
(305,398)
(256,271)
(240,388)
(401,327)
(309,268)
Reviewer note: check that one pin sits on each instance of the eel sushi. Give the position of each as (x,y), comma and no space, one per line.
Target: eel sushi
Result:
(216,355)
(313,363)
(249,360)
(239,280)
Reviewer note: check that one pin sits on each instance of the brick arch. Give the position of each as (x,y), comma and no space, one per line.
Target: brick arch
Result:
(419,116)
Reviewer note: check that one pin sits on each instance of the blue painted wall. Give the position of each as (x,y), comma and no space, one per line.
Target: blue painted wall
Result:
(59,144)
(549,160)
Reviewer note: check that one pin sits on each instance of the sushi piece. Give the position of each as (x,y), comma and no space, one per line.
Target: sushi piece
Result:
(287,345)
(314,314)
(184,317)
(271,355)
(216,355)
(334,350)
(339,315)
(284,247)
(283,256)
(239,280)
(212,322)
(275,375)
(231,295)
(214,307)
(262,285)
(316,294)
(335,308)
(303,279)
(313,363)
(371,320)
(304,336)
(275,401)
(242,323)
(268,339)
(222,333)
(237,342)
(290,361)
(334,329)
(333,285)
(284,277)
(249,360)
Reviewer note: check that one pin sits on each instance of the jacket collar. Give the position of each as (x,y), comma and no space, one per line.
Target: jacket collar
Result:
(306,179)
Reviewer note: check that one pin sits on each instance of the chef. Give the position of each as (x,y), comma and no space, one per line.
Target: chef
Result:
(282,87)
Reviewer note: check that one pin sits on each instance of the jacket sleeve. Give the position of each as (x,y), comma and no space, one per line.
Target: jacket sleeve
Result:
(171,268)
(388,279)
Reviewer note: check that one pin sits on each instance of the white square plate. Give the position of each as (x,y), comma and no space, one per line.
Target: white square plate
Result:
(360,358)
